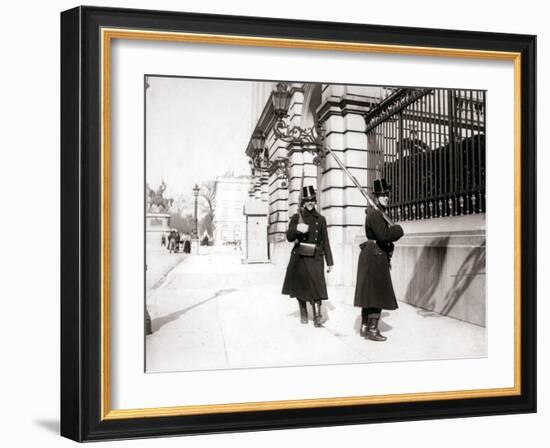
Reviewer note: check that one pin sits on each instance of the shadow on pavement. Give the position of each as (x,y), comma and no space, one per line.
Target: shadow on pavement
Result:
(159,322)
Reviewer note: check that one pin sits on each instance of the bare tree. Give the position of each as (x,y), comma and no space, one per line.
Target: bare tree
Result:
(182,223)
(205,224)
(207,194)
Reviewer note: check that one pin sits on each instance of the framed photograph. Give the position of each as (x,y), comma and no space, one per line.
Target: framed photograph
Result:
(273,223)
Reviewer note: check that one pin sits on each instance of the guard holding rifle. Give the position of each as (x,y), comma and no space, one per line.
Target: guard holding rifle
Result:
(305,278)
(374,288)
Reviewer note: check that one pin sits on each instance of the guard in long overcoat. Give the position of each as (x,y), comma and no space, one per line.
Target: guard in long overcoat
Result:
(305,278)
(374,288)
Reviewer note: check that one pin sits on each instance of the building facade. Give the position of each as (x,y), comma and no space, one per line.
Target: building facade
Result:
(428,143)
(230,195)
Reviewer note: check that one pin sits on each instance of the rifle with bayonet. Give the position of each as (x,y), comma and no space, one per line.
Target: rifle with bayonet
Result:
(364,192)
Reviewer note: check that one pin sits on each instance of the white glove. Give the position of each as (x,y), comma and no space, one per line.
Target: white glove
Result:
(302,228)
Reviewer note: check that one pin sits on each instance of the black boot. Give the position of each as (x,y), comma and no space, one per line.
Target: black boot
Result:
(303,311)
(318,319)
(372,330)
(363,328)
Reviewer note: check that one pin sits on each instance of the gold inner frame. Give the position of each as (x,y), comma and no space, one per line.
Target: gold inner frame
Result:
(107,35)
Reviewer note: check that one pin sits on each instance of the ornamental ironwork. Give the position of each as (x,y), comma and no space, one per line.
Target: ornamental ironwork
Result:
(396,102)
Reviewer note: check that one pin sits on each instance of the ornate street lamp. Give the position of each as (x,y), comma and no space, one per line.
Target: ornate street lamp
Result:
(258,140)
(310,139)
(281,100)
(196,190)
(260,159)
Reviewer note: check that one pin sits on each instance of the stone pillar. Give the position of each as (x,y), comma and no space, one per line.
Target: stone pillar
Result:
(264,188)
(300,161)
(257,182)
(277,193)
(296,158)
(284,200)
(341,114)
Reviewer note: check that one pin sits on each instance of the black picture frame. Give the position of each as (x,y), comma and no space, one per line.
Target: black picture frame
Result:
(82,212)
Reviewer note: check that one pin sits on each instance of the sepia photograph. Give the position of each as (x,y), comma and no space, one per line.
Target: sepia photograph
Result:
(294,223)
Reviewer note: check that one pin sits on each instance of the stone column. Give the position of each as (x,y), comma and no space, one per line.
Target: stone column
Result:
(341,114)
(277,193)
(257,184)
(296,166)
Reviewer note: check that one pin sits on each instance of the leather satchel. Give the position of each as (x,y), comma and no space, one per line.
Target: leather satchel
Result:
(306,249)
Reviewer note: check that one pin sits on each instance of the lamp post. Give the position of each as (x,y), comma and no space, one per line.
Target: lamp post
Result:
(196,190)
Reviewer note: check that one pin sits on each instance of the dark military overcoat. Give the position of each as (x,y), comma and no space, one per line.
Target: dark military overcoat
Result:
(305,277)
(374,287)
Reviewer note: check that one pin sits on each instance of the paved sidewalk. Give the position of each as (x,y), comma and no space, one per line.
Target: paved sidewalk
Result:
(159,263)
(213,312)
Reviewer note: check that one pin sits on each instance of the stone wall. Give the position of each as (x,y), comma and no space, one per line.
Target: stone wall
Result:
(439,266)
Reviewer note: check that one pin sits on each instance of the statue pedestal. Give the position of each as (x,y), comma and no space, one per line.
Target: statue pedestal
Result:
(156,225)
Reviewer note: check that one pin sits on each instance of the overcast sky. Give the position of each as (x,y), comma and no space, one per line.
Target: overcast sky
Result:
(196,129)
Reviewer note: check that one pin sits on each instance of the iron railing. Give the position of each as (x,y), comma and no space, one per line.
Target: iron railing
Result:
(432,151)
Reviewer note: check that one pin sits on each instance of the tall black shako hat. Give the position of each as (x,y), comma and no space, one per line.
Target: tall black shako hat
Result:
(308,194)
(381,187)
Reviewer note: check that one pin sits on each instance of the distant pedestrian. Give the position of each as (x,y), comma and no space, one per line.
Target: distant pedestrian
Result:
(163,240)
(374,288)
(187,246)
(181,242)
(305,279)
(177,241)
(172,242)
